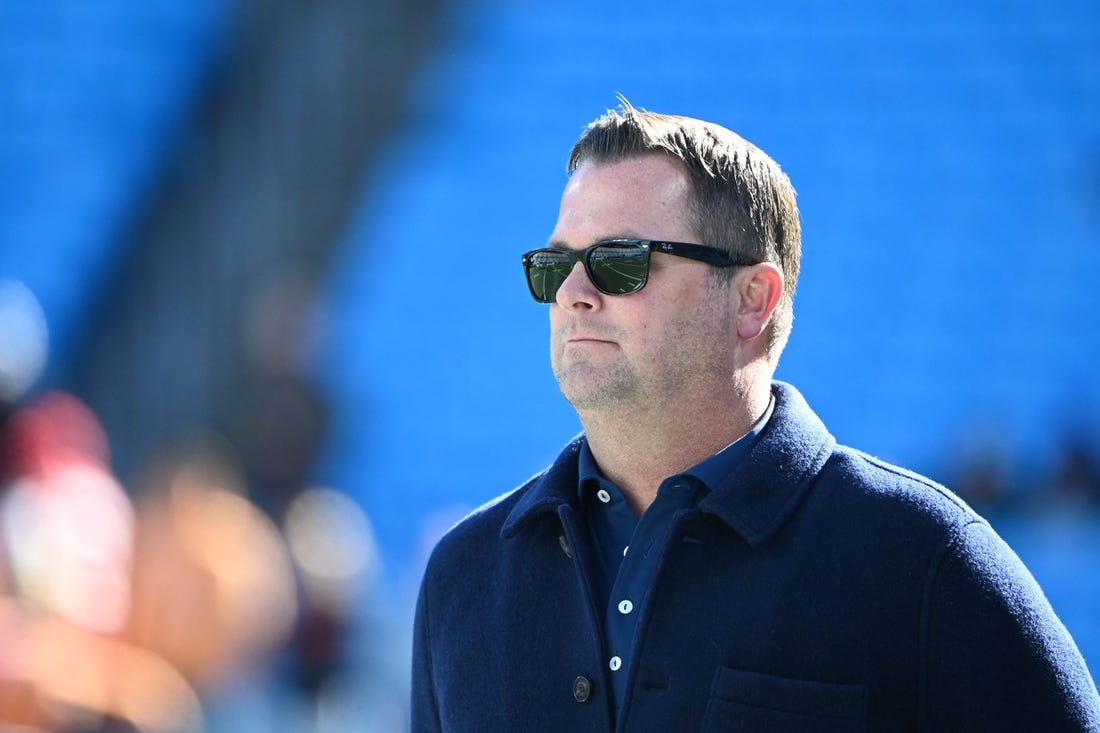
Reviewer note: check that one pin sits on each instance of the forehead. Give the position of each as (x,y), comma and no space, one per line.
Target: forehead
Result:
(644,196)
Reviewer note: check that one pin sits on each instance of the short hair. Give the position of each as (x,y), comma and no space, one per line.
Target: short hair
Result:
(740,199)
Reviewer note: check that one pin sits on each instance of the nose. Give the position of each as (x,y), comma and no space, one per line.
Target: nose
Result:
(578,292)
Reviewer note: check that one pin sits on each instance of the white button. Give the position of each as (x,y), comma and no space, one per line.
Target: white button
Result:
(615,664)
(625,549)
(604,496)
(625,607)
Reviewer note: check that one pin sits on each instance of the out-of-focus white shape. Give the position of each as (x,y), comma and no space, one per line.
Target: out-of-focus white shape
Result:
(69,537)
(332,543)
(24,339)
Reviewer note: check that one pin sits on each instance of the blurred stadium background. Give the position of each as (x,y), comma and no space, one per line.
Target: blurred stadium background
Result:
(264,335)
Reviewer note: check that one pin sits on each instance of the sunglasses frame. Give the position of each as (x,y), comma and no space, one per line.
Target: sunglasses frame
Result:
(700,252)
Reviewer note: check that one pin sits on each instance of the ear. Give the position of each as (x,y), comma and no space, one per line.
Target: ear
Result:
(759,287)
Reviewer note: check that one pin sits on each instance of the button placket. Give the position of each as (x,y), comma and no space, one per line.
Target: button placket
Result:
(636,575)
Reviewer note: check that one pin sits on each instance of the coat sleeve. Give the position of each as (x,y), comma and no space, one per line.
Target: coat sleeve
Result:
(424,713)
(995,655)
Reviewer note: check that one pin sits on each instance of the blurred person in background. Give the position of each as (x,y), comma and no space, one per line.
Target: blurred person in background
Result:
(67,538)
(121,617)
(705,556)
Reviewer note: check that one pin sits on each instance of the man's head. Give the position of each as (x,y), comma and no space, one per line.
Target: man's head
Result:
(662,271)
(738,198)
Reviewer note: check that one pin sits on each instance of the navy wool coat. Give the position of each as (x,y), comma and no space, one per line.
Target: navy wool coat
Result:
(815,589)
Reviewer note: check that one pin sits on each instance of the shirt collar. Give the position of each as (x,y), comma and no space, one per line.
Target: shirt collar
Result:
(711,472)
(763,490)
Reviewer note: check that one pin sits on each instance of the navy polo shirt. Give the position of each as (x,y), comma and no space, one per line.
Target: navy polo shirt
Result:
(627,548)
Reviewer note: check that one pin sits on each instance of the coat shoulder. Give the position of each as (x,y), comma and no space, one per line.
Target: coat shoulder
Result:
(896,495)
(478,533)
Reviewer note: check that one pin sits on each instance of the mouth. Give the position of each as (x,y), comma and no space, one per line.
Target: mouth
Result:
(587,340)
(575,335)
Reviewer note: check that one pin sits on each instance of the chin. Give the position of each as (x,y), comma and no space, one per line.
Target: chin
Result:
(596,396)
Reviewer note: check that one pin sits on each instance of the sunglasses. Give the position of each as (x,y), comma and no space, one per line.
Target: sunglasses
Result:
(615,266)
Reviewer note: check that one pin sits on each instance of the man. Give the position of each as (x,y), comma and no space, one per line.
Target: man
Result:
(705,556)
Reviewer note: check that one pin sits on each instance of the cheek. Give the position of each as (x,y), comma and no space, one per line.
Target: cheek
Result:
(651,342)
(555,323)
(556,326)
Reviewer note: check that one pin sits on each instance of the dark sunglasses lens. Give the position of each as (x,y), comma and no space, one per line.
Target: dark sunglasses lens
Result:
(546,271)
(618,269)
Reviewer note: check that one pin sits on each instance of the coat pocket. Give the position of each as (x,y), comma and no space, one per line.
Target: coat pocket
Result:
(747,701)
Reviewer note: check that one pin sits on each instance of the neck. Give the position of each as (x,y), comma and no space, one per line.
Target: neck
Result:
(640,445)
